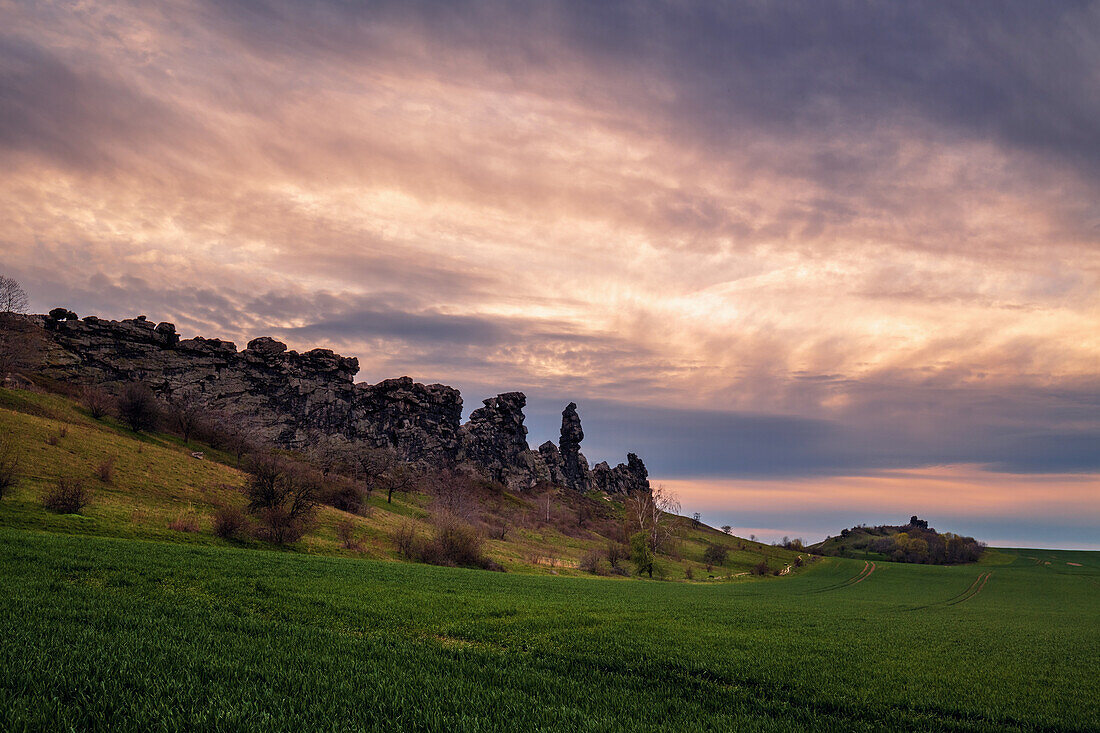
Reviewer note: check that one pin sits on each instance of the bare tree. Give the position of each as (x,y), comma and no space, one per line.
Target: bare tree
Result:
(284,495)
(333,454)
(98,401)
(696,520)
(13,298)
(137,406)
(236,432)
(400,476)
(186,413)
(454,494)
(381,469)
(650,514)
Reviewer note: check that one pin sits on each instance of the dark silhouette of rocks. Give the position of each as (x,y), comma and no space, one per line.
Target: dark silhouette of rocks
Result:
(289,396)
(574,465)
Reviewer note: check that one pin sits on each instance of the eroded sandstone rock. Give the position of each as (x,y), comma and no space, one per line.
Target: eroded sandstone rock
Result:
(289,396)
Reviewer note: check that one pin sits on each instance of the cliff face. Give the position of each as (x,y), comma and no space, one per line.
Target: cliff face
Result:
(289,396)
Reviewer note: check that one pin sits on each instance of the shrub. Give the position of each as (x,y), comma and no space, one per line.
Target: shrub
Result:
(53,439)
(349,537)
(343,494)
(283,495)
(105,471)
(67,496)
(641,553)
(760,568)
(594,563)
(406,541)
(9,468)
(279,526)
(229,521)
(184,523)
(97,401)
(616,553)
(453,543)
(689,574)
(137,407)
(715,554)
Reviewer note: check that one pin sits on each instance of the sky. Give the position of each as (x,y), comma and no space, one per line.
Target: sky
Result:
(817,263)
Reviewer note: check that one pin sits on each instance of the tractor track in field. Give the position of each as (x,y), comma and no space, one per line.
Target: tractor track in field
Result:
(972,590)
(868,568)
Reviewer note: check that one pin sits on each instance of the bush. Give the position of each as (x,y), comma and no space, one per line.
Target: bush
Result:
(616,553)
(67,496)
(406,541)
(715,554)
(229,521)
(283,495)
(760,568)
(105,471)
(97,401)
(184,523)
(594,563)
(9,468)
(453,543)
(641,554)
(279,526)
(689,574)
(344,494)
(349,537)
(137,407)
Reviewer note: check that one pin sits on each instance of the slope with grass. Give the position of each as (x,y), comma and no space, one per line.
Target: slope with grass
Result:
(165,636)
(156,490)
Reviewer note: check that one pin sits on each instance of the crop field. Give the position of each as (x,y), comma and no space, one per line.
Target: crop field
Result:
(159,636)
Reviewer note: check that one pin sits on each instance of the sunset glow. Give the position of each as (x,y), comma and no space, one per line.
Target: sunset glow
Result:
(811,282)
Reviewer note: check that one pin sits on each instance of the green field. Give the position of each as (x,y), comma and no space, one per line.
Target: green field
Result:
(159,636)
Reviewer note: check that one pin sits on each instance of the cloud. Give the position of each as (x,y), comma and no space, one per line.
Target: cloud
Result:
(763,240)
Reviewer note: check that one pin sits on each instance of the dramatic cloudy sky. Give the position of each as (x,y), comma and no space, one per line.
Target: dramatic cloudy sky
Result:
(818,264)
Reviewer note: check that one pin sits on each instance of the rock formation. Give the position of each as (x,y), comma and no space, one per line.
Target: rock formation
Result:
(625,478)
(574,466)
(289,396)
(495,439)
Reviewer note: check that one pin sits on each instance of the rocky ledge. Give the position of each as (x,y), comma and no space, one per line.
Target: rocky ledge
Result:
(289,396)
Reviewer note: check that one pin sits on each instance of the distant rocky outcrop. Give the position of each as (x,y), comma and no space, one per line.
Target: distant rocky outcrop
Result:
(290,396)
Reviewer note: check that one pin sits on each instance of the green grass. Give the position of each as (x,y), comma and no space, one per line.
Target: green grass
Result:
(156,481)
(112,617)
(158,636)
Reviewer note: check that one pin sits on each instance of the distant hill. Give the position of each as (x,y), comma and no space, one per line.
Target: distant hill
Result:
(914,542)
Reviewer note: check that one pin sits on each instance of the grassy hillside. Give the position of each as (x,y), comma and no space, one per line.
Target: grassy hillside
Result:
(162,636)
(156,484)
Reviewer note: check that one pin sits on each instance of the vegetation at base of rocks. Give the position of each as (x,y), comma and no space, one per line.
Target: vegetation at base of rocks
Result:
(914,542)
(154,480)
(137,407)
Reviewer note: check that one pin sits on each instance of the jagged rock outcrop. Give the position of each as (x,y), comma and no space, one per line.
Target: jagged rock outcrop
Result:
(574,465)
(551,459)
(625,478)
(289,396)
(495,439)
(420,421)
